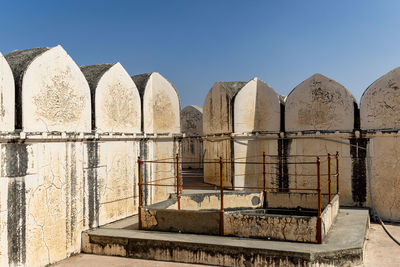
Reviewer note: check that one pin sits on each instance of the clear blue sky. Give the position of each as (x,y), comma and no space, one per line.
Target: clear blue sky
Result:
(195,43)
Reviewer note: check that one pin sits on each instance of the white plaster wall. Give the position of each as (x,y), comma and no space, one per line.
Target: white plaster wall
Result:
(55,94)
(117,102)
(117,180)
(217,119)
(55,199)
(319,103)
(3,220)
(214,149)
(383,166)
(380,109)
(54,202)
(305,176)
(164,149)
(251,149)
(7,96)
(380,103)
(256,108)
(161,106)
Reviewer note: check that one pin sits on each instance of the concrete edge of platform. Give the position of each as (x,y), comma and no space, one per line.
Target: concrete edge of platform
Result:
(343,246)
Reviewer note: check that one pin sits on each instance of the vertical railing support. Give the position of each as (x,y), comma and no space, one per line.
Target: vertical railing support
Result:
(264,184)
(140,193)
(329,178)
(319,221)
(221,186)
(337,172)
(178,197)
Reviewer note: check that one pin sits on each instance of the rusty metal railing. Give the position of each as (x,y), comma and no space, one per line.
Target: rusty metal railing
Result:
(177,161)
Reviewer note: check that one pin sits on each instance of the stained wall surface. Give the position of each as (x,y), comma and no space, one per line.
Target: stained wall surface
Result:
(257,108)
(53,94)
(319,103)
(380,103)
(72,164)
(192,145)
(322,112)
(379,112)
(117,104)
(218,119)
(321,117)
(161,104)
(161,117)
(116,109)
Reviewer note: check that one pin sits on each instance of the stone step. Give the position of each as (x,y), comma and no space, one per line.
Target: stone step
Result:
(344,245)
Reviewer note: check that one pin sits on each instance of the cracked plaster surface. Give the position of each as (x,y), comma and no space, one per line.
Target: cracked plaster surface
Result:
(319,103)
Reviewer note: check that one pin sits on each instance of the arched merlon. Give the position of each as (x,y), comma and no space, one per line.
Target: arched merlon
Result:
(319,104)
(7,97)
(256,108)
(218,107)
(52,94)
(160,103)
(380,103)
(192,120)
(115,99)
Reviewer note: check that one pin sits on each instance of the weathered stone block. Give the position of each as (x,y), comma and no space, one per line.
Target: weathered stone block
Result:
(218,107)
(161,105)
(116,101)
(52,93)
(319,103)
(380,103)
(256,108)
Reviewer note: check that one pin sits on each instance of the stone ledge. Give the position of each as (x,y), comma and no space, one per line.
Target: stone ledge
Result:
(344,245)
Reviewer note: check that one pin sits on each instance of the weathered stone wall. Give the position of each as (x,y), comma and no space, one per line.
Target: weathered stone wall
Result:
(71,162)
(192,145)
(53,94)
(161,118)
(380,124)
(318,111)
(218,119)
(275,227)
(319,116)
(257,108)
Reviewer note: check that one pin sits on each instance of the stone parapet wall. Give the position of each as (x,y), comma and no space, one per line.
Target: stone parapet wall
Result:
(70,139)
(318,117)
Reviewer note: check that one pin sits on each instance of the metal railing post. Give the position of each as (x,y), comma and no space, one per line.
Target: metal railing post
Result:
(140,193)
(178,197)
(264,190)
(329,178)
(221,184)
(337,172)
(319,221)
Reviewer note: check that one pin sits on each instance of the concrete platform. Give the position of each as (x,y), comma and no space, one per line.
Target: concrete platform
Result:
(343,246)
